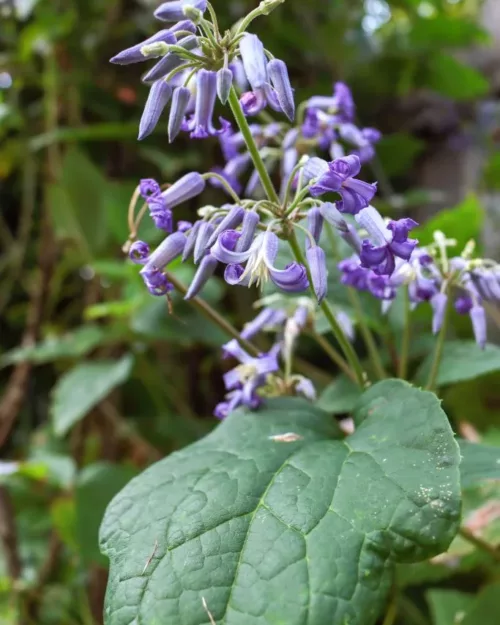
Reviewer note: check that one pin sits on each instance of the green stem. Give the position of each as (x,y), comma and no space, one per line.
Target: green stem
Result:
(334,356)
(392,612)
(241,120)
(214,316)
(431,383)
(405,347)
(337,331)
(370,343)
(480,543)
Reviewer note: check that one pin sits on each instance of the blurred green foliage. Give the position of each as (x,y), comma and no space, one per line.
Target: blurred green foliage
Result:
(75,321)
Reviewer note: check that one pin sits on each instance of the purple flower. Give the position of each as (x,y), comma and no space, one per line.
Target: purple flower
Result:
(175,10)
(248,230)
(180,104)
(305,387)
(134,54)
(170,61)
(205,271)
(479,325)
(186,188)
(340,104)
(315,221)
(234,168)
(204,235)
(159,96)
(156,281)
(267,318)
(386,242)
(339,176)
(231,221)
(184,226)
(439,304)
(152,274)
(463,304)
(160,213)
(200,125)
(259,259)
(316,260)
(269,82)
(139,252)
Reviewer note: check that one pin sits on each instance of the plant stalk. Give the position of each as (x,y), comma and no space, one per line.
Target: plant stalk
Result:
(405,347)
(438,354)
(241,120)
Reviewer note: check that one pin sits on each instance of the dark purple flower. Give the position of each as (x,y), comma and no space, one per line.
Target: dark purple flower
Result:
(386,242)
(463,304)
(339,177)
(231,221)
(200,125)
(156,281)
(139,252)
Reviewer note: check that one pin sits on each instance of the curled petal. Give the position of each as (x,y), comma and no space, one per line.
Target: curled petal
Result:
(292,279)
(139,252)
(253,102)
(223,249)
(233,275)
(149,188)
(159,96)
(356,195)
(401,228)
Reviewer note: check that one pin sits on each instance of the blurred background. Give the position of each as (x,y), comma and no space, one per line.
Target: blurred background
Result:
(97,379)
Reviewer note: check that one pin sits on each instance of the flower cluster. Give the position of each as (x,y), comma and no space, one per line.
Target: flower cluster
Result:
(195,64)
(242,239)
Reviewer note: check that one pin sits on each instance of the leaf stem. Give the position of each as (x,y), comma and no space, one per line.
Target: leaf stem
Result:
(370,343)
(241,120)
(481,544)
(214,316)
(438,354)
(391,614)
(333,354)
(405,346)
(343,341)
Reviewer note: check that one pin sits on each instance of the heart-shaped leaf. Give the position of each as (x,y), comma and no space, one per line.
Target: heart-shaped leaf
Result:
(302,529)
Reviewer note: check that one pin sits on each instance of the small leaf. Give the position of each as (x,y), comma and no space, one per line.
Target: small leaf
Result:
(74,344)
(448,607)
(340,397)
(454,79)
(299,532)
(486,608)
(479,463)
(96,486)
(462,360)
(463,223)
(83,387)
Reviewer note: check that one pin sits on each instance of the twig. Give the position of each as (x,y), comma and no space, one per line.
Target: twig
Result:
(15,392)
(8,535)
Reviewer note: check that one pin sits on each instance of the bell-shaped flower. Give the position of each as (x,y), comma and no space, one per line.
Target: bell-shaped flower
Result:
(205,271)
(201,125)
(339,177)
(439,304)
(479,325)
(176,10)
(386,242)
(160,213)
(178,109)
(224,84)
(159,96)
(259,260)
(269,82)
(316,260)
(341,103)
(134,54)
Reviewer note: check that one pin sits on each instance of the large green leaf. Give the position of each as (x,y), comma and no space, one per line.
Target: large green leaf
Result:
(448,607)
(83,387)
(461,361)
(301,532)
(454,79)
(340,396)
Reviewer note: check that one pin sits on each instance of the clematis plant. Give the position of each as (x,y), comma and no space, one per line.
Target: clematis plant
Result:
(253,532)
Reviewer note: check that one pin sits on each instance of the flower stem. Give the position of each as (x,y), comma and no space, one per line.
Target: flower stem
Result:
(241,120)
(405,347)
(343,341)
(334,356)
(371,346)
(214,316)
(431,384)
